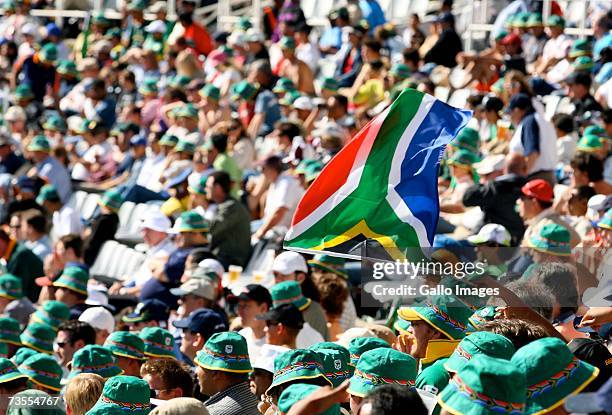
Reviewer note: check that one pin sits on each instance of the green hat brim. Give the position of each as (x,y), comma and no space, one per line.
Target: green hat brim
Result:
(428,315)
(13,339)
(190,229)
(34,147)
(361,387)
(45,385)
(457,402)
(12,376)
(296,375)
(69,287)
(138,319)
(580,377)
(159,354)
(128,356)
(209,362)
(37,346)
(8,296)
(605,225)
(45,320)
(109,409)
(320,265)
(541,246)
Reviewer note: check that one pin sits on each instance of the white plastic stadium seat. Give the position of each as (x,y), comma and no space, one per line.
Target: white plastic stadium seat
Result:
(459,98)
(89,205)
(551,103)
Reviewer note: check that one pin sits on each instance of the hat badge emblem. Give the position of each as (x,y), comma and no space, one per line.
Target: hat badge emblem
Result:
(337,364)
(167,341)
(229,348)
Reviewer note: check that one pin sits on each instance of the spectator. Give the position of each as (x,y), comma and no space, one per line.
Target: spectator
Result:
(167,378)
(34,230)
(22,262)
(103,226)
(579,84)
(66,220)
(197,328)
(49,168)
(448,45)
(255,300)
(101,320)
(149,313)
(72,336)
(82,392)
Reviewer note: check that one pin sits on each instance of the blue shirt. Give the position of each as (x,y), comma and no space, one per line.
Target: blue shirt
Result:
(266,103)
(38,77)
(530,135)
(332,37)
(601,44)
(373,13)
(56,174)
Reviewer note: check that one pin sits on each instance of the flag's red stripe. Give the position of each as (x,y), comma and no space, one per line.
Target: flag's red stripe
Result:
(325,185)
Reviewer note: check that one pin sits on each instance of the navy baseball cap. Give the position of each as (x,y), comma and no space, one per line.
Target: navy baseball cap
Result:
(521,101)
(203,321)
(148,310)
(138,140)
(286,314)
(255,292)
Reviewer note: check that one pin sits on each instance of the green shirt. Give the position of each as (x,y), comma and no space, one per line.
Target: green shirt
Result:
(230,233)
(27,266)
(227,164)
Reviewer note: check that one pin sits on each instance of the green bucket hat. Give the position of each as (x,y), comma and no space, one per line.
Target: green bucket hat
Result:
(185,147)
(112,199)
(168,140)
(606,221)
(210,91)
(158,342)
(580,47)
(126,344)
(52,313)
(590,143)
(40,143)
(400,71)
(479,343)
(535,19)
(482,315)
(297,364)
(9,371)
(331,84)
(244,24)
(287,42)
(312,171)
(227,352)
(179,81)
(47,193)
(123,394)
(463,158)
(551,239)
(555,20)
(289,98)
(485,386)
(4,350)
(22,354)
(100,19)
(401,325)
(303,165)
(583,63)
(298,391)
(553,373)
(43,370)
(328,263)
(382,366)
(502,34)
(445,313)
(9,5)
(289,292)
(467,139)
(360,345)
(67,67)
(335,363)
(48,53)
(187,111)
(38,336)
(94,359)
(594,130)
(200,187)
(243,90)
(191,221)
(522,19)
(10,287)
(283,85)
(149,86)
(73,278)
(55,123)
(9,331)
(23,91)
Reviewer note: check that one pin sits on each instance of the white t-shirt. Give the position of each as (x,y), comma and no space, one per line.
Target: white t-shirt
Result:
(556,48)
(66,221)
(284,192)
(547,159)
(253,343)
(307,337)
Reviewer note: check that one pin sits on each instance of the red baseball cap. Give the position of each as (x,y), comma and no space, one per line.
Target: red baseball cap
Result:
(539,189)
(510,39)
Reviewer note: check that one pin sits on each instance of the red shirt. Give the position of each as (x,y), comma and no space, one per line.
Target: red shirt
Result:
(200,38)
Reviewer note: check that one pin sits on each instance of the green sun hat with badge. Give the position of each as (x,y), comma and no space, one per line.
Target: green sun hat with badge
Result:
(210,91)
(67,67)
(73,278)
(226,352)
(187,111)
(158,342)
(335,364)
(52,313)
(94,359)
(22,92)
(289,292)
(590,143)
(22,354)
(40,143)
(283,85)
(467,139)
(149,86)
(47,193)
(482,316)
(38,336)
(606,221)
(400,70)
(9,371)
(445,313)
(126,344)
(48,53)
(9,331)
(328,263)
(112,199)
(191,221)
(298,391)
(462,158)
(583,63)
(43,370)
(555,21)
(331,84)
(243,90)
(382,366)
(55,123)
(10,287)
(479,343)
(360,345)
(551,239)
(168,140)
(289,98)
(486,386)
(123,395)
(184,146)
(580,47)
(553,373)
(298,364)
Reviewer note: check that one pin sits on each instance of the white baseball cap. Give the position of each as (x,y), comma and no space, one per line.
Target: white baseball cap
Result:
(99,318)
(200,287)
(345,338)
(303,103)
(29,29)
(266,357)
(595,205)
(155,220)
(212,265)
(254,35)
(156,26)
(490,164)
(289,262)
(97,295)
(15,113)
(491,232)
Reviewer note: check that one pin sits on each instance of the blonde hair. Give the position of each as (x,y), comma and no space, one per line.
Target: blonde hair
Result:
(82,392)
(187,64)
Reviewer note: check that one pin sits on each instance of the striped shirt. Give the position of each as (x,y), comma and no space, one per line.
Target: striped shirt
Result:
(235,400)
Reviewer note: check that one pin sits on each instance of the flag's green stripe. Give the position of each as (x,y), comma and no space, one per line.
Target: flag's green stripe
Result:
(368,201)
